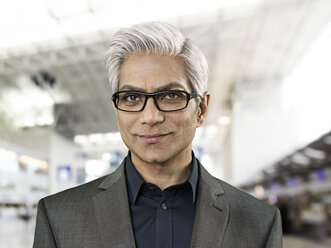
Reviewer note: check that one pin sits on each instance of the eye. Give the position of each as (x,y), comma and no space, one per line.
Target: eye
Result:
(173,96)
(130,97)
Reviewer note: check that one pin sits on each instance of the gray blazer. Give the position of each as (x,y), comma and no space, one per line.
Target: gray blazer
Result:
(97,215)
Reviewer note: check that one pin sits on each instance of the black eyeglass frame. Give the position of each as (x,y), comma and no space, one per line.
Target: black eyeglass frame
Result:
(147,95)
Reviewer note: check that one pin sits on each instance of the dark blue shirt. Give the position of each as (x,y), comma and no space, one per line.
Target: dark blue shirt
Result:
(162,219)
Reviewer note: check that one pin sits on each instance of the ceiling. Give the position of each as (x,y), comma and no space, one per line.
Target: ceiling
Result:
(247,47)
(309,163)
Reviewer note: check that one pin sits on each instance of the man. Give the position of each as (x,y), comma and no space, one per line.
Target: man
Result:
(160,196)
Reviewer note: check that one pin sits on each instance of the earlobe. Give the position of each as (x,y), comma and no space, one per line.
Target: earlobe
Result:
(200,120)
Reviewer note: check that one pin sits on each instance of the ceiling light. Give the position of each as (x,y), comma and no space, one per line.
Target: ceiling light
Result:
(300,158)
(106,156)
(96,167)
(211,131)
(259,190)
(26,121)
(313,153)
(39,99)
(28,107)
(7,154)
(96,138)
(45,120)
(81,140)
(111,137)
(13,101)
(224,120)
(33,161)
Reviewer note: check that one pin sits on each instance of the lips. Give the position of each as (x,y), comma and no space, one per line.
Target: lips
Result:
(152,138)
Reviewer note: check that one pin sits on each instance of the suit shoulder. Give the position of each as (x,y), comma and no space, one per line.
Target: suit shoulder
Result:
(85,190)
(247,202)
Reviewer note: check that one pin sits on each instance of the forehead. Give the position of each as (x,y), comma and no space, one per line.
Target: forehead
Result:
(149,72)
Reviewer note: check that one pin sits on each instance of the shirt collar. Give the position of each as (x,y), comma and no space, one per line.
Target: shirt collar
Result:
(133,178)
(193,178)
(135,181)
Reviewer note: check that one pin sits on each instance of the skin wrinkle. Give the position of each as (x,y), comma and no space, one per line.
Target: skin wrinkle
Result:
(165,162)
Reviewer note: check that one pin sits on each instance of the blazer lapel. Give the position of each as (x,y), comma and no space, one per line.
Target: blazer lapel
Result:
(112,211)
(211,215)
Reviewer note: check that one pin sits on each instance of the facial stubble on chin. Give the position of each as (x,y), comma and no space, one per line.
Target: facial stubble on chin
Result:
(159,149)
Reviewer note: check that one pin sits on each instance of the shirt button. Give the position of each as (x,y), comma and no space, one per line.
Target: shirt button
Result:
(164,206)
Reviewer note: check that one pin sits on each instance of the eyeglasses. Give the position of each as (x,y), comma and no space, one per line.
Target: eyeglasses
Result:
(166,101)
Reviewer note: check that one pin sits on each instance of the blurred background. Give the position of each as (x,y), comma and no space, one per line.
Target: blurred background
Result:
(268,129)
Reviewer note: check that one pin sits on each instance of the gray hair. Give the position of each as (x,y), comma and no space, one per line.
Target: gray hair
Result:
(156,38)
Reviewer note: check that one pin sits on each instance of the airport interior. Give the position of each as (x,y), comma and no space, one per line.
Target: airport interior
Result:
(268,129)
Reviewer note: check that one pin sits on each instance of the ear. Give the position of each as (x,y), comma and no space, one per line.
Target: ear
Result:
(203,109)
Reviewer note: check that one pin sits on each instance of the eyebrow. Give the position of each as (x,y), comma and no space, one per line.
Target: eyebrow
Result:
(168,86)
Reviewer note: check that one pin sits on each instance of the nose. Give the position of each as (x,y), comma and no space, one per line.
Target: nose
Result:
(150,114)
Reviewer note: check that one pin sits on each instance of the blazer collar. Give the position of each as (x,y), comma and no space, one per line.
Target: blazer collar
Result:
(114,219)
(211,214)
(112,211)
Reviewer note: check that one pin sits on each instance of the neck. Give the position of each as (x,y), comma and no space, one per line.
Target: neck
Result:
(165,174)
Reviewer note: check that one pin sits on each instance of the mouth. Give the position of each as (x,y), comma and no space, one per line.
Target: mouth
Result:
(152,138)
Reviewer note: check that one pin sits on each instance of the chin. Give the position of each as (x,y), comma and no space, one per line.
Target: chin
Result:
(152,156)
(155,158)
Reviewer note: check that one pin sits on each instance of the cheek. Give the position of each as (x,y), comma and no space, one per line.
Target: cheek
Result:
(193,120)
(125,125)
(188,127)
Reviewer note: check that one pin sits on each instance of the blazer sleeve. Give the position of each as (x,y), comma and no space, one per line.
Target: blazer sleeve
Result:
(43,236)
(275,239)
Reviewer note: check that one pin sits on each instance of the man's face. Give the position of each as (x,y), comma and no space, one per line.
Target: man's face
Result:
(154,136)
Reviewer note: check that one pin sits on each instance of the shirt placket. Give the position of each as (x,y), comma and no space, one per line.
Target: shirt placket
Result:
(164,225)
